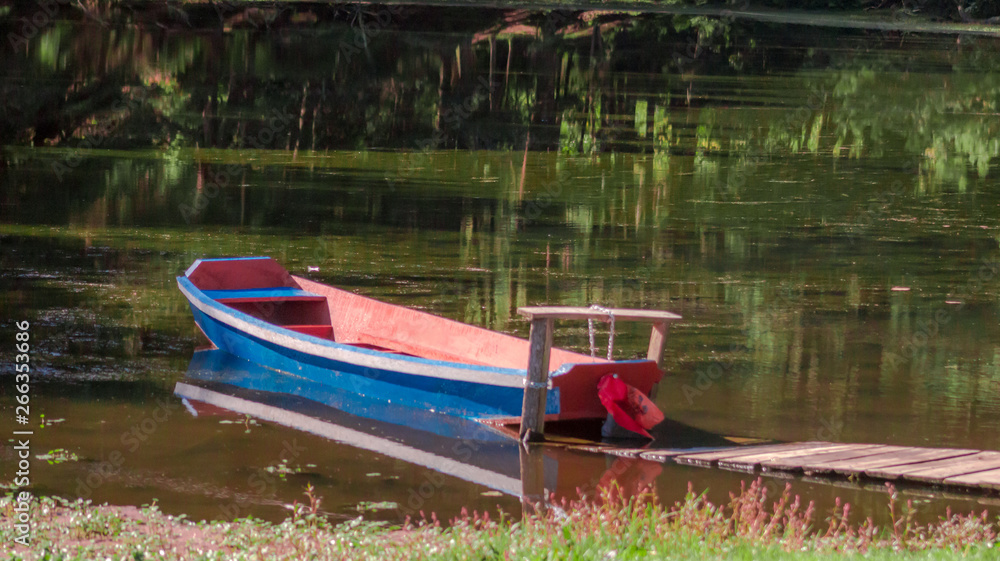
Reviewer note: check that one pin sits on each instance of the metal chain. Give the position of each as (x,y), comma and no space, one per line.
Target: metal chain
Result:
(590,328)
(611,333)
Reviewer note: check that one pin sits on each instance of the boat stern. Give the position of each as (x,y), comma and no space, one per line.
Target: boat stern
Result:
(578,385)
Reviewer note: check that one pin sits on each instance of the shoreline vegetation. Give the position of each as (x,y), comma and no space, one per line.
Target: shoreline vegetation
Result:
(916,16)
(751,526)
(879,19)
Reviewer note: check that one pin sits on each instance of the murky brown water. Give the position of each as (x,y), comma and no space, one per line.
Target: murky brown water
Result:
(820,206)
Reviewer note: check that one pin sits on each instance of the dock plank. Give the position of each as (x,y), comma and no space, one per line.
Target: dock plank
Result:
(624,452)
(989,479)
(847,460)
(661,455)
(753,461)
(937,470)
(907,455)
(709,458)
(578,312)
(717,453)
(805,461)
(983,461)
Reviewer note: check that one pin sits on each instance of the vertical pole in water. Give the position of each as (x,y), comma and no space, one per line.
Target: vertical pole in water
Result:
(532,480)
(657,341)
(537,382)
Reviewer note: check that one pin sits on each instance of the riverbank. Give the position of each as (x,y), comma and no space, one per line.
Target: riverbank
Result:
(751,526)
(888,17)
(928,17)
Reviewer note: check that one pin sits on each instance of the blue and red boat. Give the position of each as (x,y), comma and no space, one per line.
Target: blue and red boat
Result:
(252,308)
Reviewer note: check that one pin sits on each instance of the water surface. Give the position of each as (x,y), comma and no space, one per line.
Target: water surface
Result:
(820,206)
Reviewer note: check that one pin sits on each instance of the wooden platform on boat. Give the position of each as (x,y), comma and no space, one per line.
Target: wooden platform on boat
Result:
(951,467)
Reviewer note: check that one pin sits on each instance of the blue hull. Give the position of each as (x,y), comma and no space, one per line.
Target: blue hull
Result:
(216,366)
(464,399)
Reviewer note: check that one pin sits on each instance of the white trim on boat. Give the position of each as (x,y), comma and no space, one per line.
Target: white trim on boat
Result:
(354,438)
(348,355)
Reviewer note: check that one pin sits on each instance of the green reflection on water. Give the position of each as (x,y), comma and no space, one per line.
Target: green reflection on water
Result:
(785,288)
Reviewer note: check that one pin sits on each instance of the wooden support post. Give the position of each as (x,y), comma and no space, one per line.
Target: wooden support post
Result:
(657,342)
(537,382)
(540,343)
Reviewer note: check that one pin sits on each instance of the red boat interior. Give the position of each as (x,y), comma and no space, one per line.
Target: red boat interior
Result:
(265,290)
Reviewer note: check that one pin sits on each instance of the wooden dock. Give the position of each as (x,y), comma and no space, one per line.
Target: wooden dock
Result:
(949,467)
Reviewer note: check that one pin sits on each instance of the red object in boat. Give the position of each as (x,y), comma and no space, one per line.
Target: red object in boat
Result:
(628,406)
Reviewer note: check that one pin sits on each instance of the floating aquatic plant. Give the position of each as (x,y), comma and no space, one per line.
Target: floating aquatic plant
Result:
(58,456)
(368,506)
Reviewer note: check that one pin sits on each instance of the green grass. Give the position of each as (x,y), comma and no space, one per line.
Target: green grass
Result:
(751,526)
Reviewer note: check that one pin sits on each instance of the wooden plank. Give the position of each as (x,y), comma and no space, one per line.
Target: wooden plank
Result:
(989,479)
(753,461)
(536,382)
(660,455)
(709,458)
(657,342)
(624,452)
(936,470)
(983,461)
(574,312)
(714,455)
(905,456)
(847,460)
(804,461)
(594,449)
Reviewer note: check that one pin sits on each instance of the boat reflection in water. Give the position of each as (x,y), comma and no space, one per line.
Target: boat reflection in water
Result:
(472,451)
